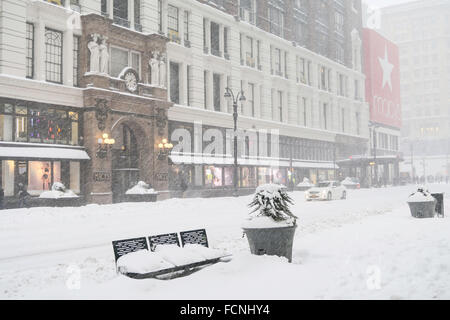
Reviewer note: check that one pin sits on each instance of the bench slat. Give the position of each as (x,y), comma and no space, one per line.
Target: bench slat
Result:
(194,237)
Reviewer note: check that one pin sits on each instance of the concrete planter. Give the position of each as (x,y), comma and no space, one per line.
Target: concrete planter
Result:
(271,241)
(422,209)
(60,202)
(139,197)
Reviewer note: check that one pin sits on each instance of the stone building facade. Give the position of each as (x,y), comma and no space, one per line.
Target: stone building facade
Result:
(307,90)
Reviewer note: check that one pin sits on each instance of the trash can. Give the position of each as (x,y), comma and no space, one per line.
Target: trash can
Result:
(439,204)
(424,209)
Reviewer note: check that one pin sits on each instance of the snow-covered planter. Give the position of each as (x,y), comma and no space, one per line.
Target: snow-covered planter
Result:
(59,196)
(304,185)
(422,204)
(141,193)
(271,226)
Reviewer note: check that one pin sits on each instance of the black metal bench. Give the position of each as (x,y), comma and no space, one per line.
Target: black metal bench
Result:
(122,247)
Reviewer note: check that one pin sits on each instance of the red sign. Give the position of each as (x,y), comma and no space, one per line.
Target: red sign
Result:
(382,69)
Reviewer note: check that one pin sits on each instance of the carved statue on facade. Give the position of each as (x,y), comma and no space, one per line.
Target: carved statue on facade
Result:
(154,69)
(104,56)
(162,70)
(95,53)
(101,113)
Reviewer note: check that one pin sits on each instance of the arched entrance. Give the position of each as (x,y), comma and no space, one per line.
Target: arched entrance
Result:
(126,157)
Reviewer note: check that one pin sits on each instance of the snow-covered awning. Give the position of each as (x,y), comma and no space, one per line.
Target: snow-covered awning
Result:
(267,162)
(42,153)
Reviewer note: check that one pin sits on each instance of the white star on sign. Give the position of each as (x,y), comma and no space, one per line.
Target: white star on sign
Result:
(387,69)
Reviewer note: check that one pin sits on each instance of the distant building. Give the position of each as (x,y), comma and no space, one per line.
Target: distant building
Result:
(421,29)
(382,86)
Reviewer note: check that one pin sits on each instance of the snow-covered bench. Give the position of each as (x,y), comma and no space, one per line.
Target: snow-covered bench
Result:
(163,256)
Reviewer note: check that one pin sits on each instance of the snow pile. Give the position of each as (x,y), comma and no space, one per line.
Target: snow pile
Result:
(142,261)
(165,257)
(305,183)
(266,222)
(141,188)
(421,195)
(58,191)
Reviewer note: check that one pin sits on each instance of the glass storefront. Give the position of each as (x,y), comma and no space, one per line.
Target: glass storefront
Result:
(38,123)
(38,176)
(279,176)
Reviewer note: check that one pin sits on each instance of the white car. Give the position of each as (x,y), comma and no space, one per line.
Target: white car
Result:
(327,190)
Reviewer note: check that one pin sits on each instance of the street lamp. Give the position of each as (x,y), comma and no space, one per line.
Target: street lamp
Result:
(104,145)
(374,126)
(164,149)
(240,97)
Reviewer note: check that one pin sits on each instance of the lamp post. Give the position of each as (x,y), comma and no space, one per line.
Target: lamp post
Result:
(229,95)
(375,126)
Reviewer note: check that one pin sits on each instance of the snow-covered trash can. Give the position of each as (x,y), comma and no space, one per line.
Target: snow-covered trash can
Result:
(141,193)
(422,204)
(59,196)
(304,185)
(271,226)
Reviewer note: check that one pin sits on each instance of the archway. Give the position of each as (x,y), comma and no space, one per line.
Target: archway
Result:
(127,158)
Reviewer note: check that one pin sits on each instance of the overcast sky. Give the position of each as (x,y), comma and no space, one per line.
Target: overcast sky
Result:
(385,3)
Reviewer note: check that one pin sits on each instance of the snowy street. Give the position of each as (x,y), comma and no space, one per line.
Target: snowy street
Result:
(365,247)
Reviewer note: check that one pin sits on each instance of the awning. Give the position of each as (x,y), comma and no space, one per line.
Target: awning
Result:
(209,160)
(42,153)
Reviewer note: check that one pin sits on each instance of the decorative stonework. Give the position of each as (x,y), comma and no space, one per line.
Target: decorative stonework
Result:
(161,120)
(101,113)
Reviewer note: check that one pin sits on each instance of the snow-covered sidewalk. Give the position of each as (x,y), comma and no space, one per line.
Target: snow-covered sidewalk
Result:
(367,246)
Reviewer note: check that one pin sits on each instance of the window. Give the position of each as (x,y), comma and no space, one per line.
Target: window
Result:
(120,13)
(53,55)
(280,105)
(215,39)
(251,98)
(160,16)
(225,43)
(276,20)
(137,15)
(104,7)
(322,12)
(30,50)
(339,22)
(37,123)
(6,122)
(172,24)
(174,82)
(325,116)
(343,119)
(248,51)
(276,61)
(186,29)
(216,91)
(76,51)
(247,10)
(205,88)
(121,59)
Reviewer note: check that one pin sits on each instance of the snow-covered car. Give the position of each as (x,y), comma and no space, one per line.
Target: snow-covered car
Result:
(327,190)
(351,183)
